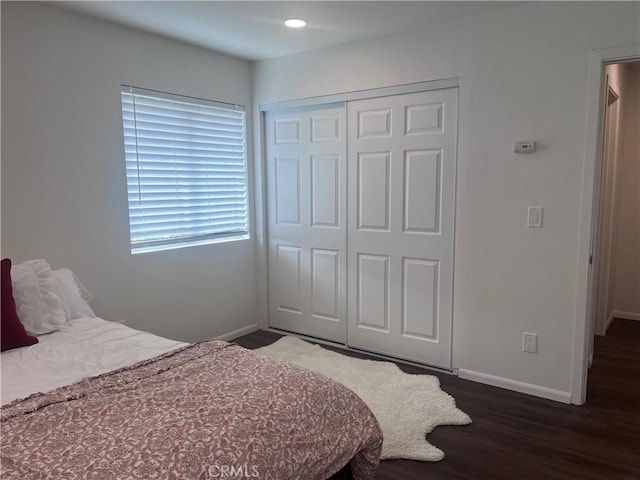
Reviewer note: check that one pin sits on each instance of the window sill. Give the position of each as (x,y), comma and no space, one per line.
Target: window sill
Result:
(190,243)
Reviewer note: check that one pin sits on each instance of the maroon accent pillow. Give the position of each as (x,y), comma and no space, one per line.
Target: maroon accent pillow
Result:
(12,332)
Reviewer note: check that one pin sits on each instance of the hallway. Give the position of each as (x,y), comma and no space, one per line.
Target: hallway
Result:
(614,378)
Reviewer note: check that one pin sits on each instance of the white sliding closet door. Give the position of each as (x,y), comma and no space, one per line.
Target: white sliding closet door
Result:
(306,192)
(402,167)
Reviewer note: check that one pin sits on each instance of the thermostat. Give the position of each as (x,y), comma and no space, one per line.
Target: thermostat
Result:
(524,146)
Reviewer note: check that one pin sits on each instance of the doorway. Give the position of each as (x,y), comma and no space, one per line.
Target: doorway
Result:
(616,233)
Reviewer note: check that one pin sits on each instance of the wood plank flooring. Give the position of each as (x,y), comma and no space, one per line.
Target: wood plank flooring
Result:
(517,436)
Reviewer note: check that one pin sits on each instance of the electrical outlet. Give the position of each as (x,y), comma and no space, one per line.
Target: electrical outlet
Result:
(530,342)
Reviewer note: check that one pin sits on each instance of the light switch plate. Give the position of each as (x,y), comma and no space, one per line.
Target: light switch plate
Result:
(534,217)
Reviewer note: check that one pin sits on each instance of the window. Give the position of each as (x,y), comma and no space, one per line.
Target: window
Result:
(186,170)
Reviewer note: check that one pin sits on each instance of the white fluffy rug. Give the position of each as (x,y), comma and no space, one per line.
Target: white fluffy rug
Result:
(408,407)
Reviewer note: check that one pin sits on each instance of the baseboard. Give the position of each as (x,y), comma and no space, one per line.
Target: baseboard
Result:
(239,332)
(625,315)
(528,388)
(619,314)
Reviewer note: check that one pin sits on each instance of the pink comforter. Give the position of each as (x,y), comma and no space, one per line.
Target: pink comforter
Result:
(211,410)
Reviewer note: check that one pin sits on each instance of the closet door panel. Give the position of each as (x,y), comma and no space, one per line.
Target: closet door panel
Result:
(306,208)
(401,167)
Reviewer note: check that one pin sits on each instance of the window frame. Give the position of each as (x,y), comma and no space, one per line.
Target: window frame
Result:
(160,244)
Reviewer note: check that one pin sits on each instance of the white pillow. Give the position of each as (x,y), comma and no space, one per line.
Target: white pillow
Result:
(74,295)
(36,295)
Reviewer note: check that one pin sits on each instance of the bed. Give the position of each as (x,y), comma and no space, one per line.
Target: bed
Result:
(98,400)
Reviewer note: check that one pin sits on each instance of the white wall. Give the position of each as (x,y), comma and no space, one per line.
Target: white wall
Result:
(64,192)
(626,297)
(523,73)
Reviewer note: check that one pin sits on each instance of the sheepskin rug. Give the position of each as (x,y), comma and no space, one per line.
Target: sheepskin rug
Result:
(408,407)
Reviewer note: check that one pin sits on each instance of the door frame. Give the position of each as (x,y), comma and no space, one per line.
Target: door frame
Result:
(584,310)
(363,94)
(604,214)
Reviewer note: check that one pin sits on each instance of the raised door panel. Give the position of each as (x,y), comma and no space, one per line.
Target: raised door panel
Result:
(287,190)
(423,118)
(288,274)
(420,281)
(422,191)
(325,191)
(374,123)
(325,284)
(286,131)
(373,190)
(325,128)
(372,292)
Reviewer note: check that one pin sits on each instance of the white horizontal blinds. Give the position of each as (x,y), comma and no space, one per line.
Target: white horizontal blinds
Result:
(186,168)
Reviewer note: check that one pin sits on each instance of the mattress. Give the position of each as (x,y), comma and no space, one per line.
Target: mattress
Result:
(87,347)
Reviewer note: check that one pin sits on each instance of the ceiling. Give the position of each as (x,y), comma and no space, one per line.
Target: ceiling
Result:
(253,30)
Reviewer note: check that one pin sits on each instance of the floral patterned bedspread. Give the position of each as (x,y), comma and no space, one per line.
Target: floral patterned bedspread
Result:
(210,410)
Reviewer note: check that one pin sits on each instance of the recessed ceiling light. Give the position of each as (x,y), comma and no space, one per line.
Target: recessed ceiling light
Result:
(295,23)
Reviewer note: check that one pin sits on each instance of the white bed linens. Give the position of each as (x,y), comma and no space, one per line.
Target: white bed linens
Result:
(86,347)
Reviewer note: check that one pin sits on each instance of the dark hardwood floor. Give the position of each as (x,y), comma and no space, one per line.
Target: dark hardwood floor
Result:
(517,436)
